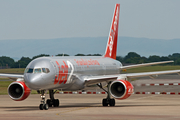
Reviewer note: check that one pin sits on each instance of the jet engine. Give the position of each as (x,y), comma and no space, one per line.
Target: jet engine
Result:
(18,91)
(121,89)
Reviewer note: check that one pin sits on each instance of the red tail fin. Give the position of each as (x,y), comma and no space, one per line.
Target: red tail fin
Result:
(111,47)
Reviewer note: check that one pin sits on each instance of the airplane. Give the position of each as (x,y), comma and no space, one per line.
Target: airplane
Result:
(73,73)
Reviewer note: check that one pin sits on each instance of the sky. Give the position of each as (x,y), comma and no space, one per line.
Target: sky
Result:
(47,19)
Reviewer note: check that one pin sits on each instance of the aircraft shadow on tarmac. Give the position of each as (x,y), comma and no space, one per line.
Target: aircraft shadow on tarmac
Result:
(24,108)
(78,105)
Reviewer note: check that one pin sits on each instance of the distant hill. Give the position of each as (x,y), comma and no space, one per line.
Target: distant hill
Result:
(89,45)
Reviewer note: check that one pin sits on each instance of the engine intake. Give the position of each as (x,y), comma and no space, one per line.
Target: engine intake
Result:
(121,89)
(18,91)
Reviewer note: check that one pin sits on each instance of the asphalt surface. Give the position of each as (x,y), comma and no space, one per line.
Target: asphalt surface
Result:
(89,106)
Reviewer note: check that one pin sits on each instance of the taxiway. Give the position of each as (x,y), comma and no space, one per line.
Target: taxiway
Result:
(86,107)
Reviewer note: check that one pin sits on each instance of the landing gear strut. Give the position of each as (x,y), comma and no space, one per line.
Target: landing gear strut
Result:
(52,102)
(107,101)
(43,105)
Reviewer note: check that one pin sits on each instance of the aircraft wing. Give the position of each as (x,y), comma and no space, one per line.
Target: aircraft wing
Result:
(133,75)
(90,80)
(12,76)
(144,64)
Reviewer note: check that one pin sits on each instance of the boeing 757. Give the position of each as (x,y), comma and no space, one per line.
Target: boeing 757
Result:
(73,73)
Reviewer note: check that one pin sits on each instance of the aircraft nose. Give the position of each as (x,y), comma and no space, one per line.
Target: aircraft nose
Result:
(33,81)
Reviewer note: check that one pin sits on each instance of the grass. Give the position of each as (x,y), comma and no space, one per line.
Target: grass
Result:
(13,70)
(3,87)
(4,78)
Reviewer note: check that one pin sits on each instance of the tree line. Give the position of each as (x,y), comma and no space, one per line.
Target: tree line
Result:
(130,58)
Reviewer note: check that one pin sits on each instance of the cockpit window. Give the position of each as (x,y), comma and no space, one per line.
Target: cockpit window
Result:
(29,70)
(37,70)
(45,70)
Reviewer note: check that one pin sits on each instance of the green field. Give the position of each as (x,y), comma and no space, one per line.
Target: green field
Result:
(3,87)
(4,84)
(13,70)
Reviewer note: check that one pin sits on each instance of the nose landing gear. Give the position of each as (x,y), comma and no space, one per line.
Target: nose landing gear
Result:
(43,105)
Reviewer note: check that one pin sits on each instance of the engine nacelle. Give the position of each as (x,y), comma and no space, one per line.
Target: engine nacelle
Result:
(121,89)
(18,91)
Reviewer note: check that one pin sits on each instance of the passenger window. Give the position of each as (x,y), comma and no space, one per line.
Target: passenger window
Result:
(38,70)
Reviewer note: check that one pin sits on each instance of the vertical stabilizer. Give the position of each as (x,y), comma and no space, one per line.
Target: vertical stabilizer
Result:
(111,47)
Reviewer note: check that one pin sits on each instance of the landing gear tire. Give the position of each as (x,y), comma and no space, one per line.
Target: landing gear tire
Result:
(105,102)
(56,103)
(46,107)
(41,106)
(49,103)
(112,102)
(52,102)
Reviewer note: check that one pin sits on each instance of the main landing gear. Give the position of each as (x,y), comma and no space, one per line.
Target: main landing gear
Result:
(50,102)
(107,101)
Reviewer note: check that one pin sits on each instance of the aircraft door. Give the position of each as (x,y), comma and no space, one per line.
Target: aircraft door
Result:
(104,69)
(55,68)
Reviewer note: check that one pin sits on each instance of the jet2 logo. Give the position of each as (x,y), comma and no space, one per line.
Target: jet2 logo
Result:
(63,72)
(130,91)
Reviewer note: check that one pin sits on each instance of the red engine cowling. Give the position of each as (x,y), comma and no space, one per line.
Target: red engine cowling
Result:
(121,89)
(18,91)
